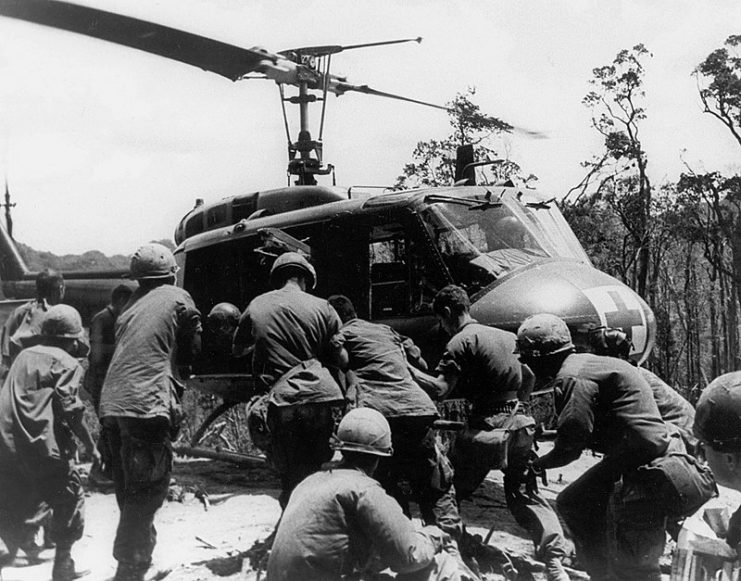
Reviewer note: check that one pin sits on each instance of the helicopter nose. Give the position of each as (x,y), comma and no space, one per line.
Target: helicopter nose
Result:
(578,293)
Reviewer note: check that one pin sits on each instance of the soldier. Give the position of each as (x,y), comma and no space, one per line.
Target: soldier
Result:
(480,365)
(40,409)
(378,356)
(718,427)
(674,409)
(340,524)
(140,401)
(291,331)
(103,341)
(617,510)
(218,332)
(23,327)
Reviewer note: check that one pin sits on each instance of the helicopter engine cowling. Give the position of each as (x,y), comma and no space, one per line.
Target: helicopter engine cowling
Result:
(583,296)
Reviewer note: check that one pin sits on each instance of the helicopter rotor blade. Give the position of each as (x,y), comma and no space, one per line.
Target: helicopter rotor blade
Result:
(340,88)
(205,53)
(327,50)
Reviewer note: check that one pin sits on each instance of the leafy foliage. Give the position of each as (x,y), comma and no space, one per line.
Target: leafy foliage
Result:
(433,162)
(719,79)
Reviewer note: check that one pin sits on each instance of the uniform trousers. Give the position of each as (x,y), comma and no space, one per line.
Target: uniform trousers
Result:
(24,487)
(618,522)
(530,509)
(140,453)
(300,441)
(419,461)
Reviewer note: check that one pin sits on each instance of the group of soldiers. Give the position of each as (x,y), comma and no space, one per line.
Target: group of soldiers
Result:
(316,359)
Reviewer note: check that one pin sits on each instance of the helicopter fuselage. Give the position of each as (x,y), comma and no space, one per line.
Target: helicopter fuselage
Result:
(513,253)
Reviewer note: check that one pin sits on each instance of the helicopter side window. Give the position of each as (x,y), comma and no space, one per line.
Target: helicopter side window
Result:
(389,272)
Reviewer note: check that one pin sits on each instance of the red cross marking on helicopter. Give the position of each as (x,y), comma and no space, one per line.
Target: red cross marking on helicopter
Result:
(617,307)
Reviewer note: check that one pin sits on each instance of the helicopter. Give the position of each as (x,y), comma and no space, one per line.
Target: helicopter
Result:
(390,252)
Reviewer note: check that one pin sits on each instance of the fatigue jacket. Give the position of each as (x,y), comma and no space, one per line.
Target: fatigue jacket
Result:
(337,519)
(41,388)
(378,357)
(484,361)
(291,332)
(142,379)
(604,404)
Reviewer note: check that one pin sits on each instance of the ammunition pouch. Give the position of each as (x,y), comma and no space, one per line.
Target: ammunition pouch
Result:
(681,483)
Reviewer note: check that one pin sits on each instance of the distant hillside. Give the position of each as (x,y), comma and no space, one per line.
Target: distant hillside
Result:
(90,260)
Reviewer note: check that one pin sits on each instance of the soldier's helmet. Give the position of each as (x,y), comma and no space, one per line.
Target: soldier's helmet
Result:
(291,261)
(223,316)
(364,430)
(542,335)
(63,322)
(152,261)
(718,413)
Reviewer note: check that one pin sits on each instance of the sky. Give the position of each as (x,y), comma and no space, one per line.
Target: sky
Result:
(105,147)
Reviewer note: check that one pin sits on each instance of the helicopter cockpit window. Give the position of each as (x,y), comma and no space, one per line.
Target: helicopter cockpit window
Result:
(481,242)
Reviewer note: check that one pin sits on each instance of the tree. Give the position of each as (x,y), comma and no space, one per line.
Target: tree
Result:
(433,162)
(719,85)
(617,177)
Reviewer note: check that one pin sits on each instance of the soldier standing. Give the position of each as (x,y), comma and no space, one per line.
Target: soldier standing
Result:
(617,510)
(40,409)
(103,341)
(378,357)
(291,331)
(140,401)
(23,327)
(479,364)
(340,524)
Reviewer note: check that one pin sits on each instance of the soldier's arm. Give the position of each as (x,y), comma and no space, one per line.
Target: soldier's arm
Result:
(400,546)
(576,399)
(188,334)
(437,387)
(338,355)
(413,353)
(67,394)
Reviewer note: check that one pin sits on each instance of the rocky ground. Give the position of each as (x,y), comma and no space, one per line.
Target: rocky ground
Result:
(217,512)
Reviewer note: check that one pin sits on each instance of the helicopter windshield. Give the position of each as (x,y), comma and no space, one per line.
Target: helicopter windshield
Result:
(480,239)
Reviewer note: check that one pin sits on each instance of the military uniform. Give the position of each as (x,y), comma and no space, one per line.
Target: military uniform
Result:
(381,381)
(614,511)
(36,446)
(490,376)
(291,332)
(674,409)
(340,524)
(22,329)
(140,411)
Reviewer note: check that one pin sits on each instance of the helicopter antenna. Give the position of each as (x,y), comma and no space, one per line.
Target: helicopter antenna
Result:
(8,205)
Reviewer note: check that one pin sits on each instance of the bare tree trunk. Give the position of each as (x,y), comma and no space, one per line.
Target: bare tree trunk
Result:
(714,338)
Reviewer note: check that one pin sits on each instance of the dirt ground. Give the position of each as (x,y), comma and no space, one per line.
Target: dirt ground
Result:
(200,540)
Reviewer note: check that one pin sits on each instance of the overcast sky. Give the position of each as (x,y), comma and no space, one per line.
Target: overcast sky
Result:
(106,147)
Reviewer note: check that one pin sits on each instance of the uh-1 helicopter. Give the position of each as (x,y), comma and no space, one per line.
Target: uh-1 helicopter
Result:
(509,247)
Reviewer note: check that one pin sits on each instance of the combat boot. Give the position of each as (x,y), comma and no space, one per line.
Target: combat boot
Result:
(554,570)
(64,567)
